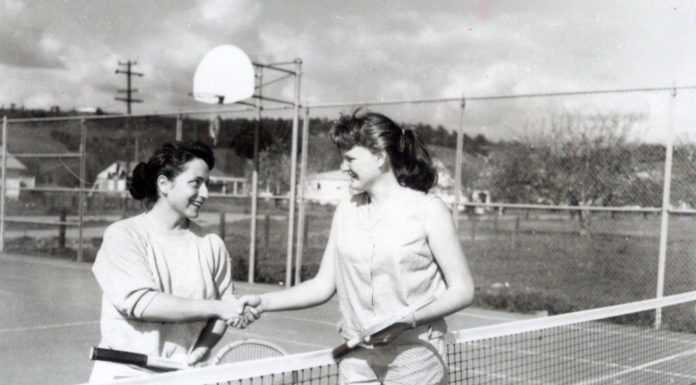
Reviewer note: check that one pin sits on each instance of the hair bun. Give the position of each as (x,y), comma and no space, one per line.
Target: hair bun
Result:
(138,183)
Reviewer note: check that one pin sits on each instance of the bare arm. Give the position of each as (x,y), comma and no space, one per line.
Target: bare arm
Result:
(307,294)
(169,308)
(448,252)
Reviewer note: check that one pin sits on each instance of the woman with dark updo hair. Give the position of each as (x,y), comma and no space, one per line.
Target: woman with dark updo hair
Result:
(167,283)
(392,251)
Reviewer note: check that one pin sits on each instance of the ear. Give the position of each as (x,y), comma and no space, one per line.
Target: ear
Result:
(382,159)
(164,185)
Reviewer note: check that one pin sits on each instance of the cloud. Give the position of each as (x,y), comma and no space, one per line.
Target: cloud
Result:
(24,44)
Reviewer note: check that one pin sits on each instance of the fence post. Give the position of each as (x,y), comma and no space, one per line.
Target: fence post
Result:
(301,228)
(3,190)
(293,174)
(255,179)
(81,194)
(62,218)
(267,233)
(664,223)
(473,227)
(458,164)
(179,128)
(222,225)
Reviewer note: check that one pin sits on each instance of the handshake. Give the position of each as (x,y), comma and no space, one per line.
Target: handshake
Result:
(240,312)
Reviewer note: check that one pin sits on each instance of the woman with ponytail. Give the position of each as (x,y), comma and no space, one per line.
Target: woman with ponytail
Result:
(392,249)
(167,283)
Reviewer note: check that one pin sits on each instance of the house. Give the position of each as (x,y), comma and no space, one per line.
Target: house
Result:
(332,186)
(222,183)
(327,187)
(114,179)
(17,177)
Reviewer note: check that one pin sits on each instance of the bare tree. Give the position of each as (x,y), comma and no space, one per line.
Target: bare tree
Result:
(571,159)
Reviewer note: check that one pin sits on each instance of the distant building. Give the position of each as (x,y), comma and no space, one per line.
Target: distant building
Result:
(222,183)
(327,187)
(332,186)
(17,177)
(114,179)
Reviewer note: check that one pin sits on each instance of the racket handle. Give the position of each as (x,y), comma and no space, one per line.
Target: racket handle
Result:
(123,357)
(118,356)
(342,349)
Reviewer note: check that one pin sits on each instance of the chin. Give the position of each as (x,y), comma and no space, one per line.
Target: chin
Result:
(193,214)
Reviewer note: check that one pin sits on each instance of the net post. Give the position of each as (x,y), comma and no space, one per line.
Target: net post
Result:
(664,221)
(300,197)
(293,175)
(81,194)
(3,189)
(458,164)
(255,179)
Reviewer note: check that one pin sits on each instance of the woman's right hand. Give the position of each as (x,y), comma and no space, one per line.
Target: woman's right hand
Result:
(239,312)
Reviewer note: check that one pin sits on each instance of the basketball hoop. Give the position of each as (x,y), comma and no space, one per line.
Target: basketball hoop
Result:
(225,75)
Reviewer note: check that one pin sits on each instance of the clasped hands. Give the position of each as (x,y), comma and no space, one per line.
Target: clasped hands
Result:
(242,311)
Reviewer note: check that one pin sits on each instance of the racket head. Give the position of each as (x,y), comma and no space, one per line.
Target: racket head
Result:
(245,350)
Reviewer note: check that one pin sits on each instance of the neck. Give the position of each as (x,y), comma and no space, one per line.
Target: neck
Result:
(165,217)
(384,189)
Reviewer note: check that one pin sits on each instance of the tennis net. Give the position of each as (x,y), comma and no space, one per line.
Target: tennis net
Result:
(611,345)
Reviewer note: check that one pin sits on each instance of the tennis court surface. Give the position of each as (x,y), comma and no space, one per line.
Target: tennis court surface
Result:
(613,345)
(50,320)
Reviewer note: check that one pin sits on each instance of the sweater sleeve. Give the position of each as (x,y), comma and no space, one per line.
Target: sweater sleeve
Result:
(123,272)
(223,267)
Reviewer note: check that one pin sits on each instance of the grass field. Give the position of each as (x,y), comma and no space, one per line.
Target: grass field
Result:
(523,262)
(519,264)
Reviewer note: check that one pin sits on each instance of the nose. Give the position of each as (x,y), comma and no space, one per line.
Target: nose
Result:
(203,191)
(344,166)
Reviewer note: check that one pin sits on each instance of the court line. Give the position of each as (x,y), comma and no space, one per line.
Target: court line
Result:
(42,299)
(644,366)
(46,261)
(44,327)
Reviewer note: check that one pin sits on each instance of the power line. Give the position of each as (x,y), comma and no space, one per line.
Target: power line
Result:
(129,91)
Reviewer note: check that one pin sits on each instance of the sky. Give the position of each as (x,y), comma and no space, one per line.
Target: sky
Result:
(65,53)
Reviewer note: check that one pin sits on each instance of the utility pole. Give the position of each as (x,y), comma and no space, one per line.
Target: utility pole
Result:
(128,91)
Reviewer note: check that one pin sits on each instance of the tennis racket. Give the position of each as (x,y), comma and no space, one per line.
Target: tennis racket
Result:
(247,349)
(381,326)
(243,350)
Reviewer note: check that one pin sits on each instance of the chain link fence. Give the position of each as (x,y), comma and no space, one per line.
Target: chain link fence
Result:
(560,198)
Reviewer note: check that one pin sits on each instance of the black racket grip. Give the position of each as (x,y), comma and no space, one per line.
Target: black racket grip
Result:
(118,356)
(341,350)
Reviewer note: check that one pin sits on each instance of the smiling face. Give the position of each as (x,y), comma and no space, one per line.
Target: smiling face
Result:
(363,166)
(187,192)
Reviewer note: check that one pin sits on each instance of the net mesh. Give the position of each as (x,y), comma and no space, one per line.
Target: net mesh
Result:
(611,345)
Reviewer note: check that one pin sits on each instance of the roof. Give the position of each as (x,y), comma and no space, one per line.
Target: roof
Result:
(13,163)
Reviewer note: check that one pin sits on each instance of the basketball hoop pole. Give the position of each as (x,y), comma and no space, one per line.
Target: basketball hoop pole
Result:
(259,70)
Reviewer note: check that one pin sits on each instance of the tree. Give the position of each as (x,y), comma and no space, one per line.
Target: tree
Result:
(574,159)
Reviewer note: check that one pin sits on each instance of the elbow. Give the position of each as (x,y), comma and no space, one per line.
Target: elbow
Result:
(465,294)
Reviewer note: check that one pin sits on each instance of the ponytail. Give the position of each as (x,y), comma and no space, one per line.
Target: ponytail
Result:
(410,160)
(412,163)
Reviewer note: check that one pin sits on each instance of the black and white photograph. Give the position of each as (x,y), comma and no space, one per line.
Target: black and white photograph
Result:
(347,192)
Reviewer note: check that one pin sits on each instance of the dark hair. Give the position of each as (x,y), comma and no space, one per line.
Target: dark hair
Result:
(410,160)
(167,161)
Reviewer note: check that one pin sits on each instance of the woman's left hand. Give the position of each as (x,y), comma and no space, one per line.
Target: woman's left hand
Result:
(388,335)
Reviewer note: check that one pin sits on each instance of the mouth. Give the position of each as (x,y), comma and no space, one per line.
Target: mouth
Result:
(352,175)
(197,204)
